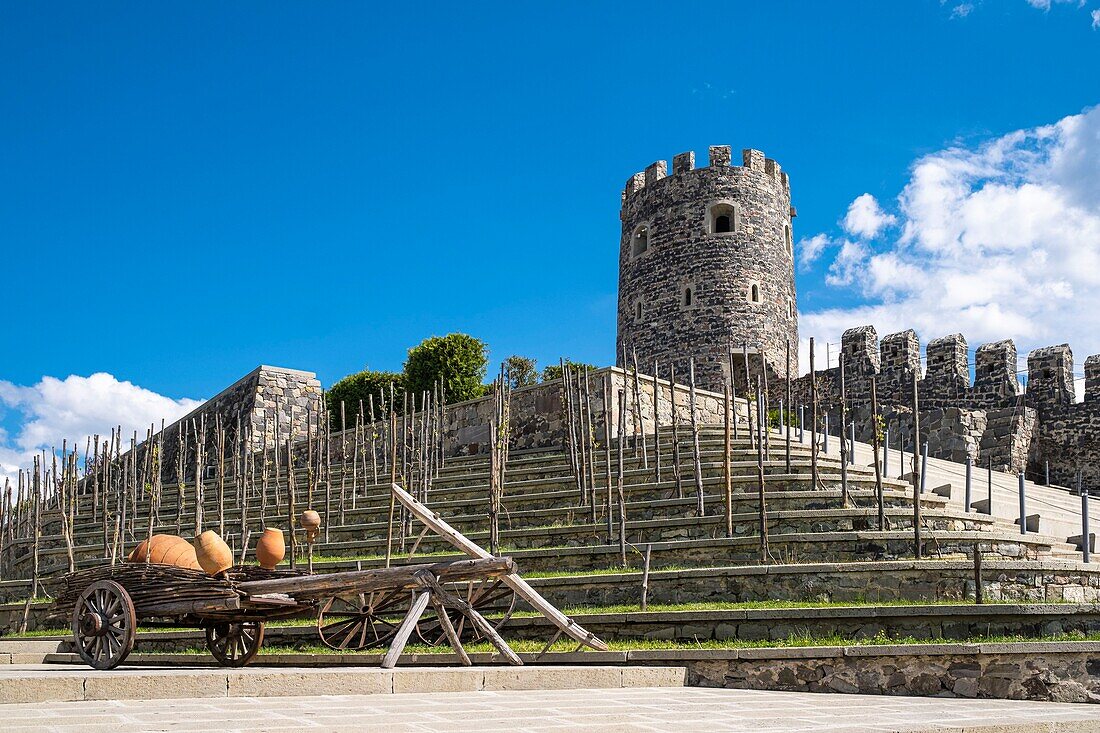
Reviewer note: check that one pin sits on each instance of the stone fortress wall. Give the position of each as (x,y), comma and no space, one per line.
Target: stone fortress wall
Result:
(268,405)
(538,414)
(705,260)
(992,418)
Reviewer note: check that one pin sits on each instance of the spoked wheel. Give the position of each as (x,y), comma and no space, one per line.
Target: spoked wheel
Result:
(104,624)
(363,620)
(488,597)
(235,643)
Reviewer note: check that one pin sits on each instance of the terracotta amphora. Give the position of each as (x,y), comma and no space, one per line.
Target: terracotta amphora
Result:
(213,554)
(167,549)
(271,549)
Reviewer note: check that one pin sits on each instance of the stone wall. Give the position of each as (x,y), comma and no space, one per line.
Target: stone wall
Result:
(991,419)
(1020,581)
(265,407)
(1058,672)
(684,251)
(538,414)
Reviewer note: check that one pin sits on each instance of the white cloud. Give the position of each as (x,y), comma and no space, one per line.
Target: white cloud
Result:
(73,408)
(865,218)
(1045,4)
(810,249)
(962,10)
(845,268)
(1000,240)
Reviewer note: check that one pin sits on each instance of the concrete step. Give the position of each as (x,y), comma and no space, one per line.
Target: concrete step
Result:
(932,621)
(62,680)
(26,651)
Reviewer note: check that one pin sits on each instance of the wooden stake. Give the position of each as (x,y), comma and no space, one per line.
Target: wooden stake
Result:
(813,419)
(393,482)
(787,417)
(344,460)
(590,438)
(917,549)
(607,452)
(761,495)
(676,473)
(639,432)
(656,426)
(878,463)
(699,508)
(727,467)
(619,478)
(844,498)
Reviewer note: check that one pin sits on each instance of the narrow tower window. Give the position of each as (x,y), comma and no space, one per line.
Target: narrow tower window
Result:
(641,241)
(754,293)
(638,311)
(722,219)
(688,295)
(787,238)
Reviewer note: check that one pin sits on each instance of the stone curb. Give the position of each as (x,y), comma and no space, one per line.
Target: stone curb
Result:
(670,656)
(47,685)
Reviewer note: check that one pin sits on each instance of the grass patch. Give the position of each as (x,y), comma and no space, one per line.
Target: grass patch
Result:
(792,641)
(582,611)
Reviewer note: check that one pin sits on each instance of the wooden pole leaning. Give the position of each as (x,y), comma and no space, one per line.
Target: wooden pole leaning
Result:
(878,464)
(787,418)
(813,418)
(917,550)
(845,501)
(567,625)
(726,467)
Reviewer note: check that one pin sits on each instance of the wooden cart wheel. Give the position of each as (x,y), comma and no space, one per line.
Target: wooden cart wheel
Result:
(362,621)
(488,597)
(234,643)
(104,624)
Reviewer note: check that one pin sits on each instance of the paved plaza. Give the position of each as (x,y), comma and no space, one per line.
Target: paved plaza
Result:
(652,710)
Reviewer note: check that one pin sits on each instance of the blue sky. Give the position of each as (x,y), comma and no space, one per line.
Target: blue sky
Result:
(191,189)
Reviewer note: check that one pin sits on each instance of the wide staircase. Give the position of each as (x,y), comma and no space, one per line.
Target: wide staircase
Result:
(827,567)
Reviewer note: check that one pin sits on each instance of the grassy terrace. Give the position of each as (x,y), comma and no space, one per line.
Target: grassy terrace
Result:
(795,640)
(616,609)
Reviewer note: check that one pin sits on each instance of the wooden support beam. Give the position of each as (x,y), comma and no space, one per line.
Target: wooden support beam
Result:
(570,627)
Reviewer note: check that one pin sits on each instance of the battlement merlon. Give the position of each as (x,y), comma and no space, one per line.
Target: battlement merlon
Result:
(1050,376)
(859,351)
(719,156)
(947,358)
(900,357)
(1092,378)
(946,377)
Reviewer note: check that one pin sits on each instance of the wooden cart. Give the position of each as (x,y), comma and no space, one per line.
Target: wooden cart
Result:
(439,602)
(107,603)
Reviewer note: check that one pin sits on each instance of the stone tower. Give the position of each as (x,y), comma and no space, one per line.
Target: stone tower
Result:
(706,260)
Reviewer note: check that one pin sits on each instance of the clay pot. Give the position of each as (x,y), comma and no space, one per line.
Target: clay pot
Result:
(271,549)
(310,520)
(213,554)
(167,549)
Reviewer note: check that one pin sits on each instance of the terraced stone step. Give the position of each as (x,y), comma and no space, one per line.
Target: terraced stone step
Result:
(929,580)
(933,621)
(78,682)
(1022,581)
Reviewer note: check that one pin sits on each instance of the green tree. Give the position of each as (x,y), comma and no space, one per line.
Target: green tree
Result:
(553,371)
(520,371)
(457,359)
(363,386)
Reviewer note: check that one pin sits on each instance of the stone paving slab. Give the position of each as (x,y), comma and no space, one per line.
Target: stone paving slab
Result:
(38,683)
(630,710)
